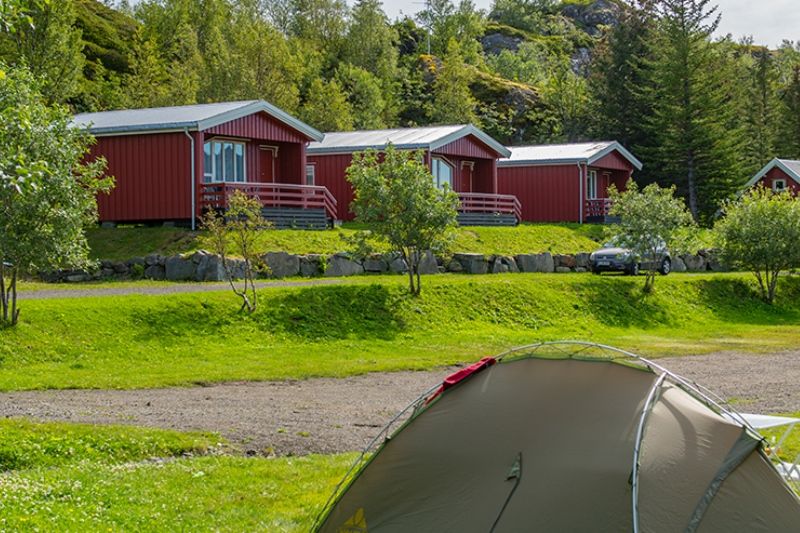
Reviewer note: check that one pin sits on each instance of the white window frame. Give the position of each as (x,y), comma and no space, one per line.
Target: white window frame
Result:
(311,172)
(591,185)
(775,183)
(435,162)
(212,175)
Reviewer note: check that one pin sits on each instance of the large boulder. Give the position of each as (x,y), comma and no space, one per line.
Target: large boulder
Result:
(177,268)
(343,265)
(209,268)
(567,261)
(428,264)
(502,264)
(582,260)
(536,262)
(375,264)
(281,264)
(155,272)
(397,264)
(694,263)
(678,265)
(311,265)
(473,263)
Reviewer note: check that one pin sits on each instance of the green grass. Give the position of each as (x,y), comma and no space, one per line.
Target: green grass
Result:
(373,325)
(119,244)
(26,444)
(126,242)
(90,478)
(791,447)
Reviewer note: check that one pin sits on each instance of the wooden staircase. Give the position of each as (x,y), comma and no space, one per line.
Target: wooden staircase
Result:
(297,218)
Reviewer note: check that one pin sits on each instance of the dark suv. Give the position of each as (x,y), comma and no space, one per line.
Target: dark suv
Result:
(614,258)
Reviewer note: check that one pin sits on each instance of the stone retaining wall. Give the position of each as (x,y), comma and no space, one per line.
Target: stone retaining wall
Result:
(205,266)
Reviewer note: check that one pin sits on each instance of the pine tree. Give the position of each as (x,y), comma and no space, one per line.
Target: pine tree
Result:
(326,107)
(788,144)
(453,102)
(759,105)
(618,72)
(698,145)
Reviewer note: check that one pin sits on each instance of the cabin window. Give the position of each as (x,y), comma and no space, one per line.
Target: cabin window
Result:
(591,185)
(442,172)
(310,174)
(224,161)
(779,185)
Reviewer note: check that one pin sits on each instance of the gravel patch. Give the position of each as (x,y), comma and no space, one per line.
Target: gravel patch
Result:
(328,415)
(177,288)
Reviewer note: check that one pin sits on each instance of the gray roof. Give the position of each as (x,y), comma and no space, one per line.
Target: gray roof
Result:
(790,167)
(561,154)
(428,138)
(192,117)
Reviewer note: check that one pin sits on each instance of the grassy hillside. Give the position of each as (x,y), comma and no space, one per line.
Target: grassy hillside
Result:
(373,325)
(124,243)
(111,482)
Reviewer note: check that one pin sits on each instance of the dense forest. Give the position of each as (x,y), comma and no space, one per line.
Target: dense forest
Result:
(702,113)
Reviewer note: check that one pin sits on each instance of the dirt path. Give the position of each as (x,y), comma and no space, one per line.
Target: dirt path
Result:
(333,415)
(177,288)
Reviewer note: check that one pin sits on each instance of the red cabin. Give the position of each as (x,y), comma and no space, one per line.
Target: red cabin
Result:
(171,163)
(461,157)
(779,175)
(565,182)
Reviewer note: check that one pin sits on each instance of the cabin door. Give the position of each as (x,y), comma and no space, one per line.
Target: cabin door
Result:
(467,170)
(267,161)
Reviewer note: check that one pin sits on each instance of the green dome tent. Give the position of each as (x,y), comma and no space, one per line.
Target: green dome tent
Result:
(563,437)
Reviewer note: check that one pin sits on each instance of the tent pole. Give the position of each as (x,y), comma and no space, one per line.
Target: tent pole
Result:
(637,448)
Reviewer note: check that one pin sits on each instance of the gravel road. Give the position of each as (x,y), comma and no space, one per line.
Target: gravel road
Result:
(330,415)
(176,288)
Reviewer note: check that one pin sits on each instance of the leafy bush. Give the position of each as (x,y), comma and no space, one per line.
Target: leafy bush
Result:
(761,233)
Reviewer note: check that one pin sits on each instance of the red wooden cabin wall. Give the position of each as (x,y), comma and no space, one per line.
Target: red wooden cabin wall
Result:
(152,177)
(778,174)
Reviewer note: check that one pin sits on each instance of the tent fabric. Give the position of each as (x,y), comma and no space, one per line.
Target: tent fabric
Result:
(542,444)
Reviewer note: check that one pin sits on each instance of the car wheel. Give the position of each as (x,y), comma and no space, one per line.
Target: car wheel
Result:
(666,266)
(633,270)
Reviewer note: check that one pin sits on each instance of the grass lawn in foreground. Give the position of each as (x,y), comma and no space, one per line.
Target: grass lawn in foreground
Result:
(125,242)
(135,479)
(353,328)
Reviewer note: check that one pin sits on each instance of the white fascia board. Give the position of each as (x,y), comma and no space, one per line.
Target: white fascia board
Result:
(619,148)
(769,166)
(258,106)
(469,129)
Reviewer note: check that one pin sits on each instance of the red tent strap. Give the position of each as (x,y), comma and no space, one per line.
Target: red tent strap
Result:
(461,375)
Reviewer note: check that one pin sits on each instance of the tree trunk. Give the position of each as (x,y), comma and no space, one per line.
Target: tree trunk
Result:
(14,310)
(410,268)
(692,184)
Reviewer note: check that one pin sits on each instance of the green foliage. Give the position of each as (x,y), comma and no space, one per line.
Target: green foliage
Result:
(234,233)
(372,324)
(453,102)
(394,192)
(698,141)
(25,444)
(364,94)
(186,494)
(123,243)
(326,107)
(49,47)
(47,191)
(760,232)
(648,218)
(447,22)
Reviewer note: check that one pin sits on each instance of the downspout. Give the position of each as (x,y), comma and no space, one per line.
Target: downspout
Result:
(580,193)
(194,195)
